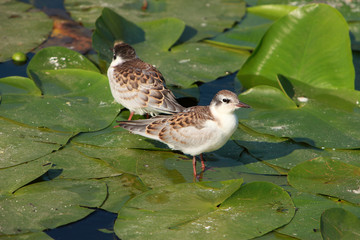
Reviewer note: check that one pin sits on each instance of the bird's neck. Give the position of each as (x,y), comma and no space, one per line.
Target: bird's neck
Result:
(226,120)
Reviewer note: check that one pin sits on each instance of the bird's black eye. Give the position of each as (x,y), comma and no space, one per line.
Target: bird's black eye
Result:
(114,56)
(226,100)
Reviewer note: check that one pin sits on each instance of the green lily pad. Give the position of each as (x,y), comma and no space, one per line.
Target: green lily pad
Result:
(73,100)
(349,9)
(55,58)
(245,35)
(27,236)
(337,223)
(22,143)
(111,137)
(306,222)
(328,177)
(307,117)
(16,85)
(275,236)
(121,149)
(22,28)
(203,19)
(163,168)
(282,154)
(71,163)
(49,204)
(184,65)
(122,159)
(120,190)
(187,64)
(12,178)
(208,210)
(292,45)
(270,11)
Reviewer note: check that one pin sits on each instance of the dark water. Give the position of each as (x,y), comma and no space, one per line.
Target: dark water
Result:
(88,228)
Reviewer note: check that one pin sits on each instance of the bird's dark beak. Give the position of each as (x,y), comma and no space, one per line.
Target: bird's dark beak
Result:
(242,105)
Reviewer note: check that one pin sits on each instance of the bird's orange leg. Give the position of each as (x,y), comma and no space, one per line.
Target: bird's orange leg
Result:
(202,162)
(131,115)
(194,165)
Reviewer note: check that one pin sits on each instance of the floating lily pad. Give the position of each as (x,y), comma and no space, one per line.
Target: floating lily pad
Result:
(74,100)
(49,204)
(12,178)
(349,9)
(111,137)
(122,159)
(208,210)
(22,28)
(318,110)
(306,222)
(245,35)
(282,154)
(27,236)
(182,66)
(22,143)
(204,19)
(121,189)
(337,223)
(292,45)
(71,163)
(270,11)
(328,177)
(55,58)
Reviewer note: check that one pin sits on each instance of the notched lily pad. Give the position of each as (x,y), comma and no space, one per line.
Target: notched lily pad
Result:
(12,178)
(209,210)
(328,177)
(54,58)
(310,207)
(22,143)
(307,117)
(71,163)
(49,204)
(73,100)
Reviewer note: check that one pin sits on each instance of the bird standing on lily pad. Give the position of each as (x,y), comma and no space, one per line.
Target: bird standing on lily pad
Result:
(195,130)
(138,85)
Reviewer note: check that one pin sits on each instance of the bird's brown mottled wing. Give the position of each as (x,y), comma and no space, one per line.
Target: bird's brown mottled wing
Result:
(143,84)
(179,131)
(184,129)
